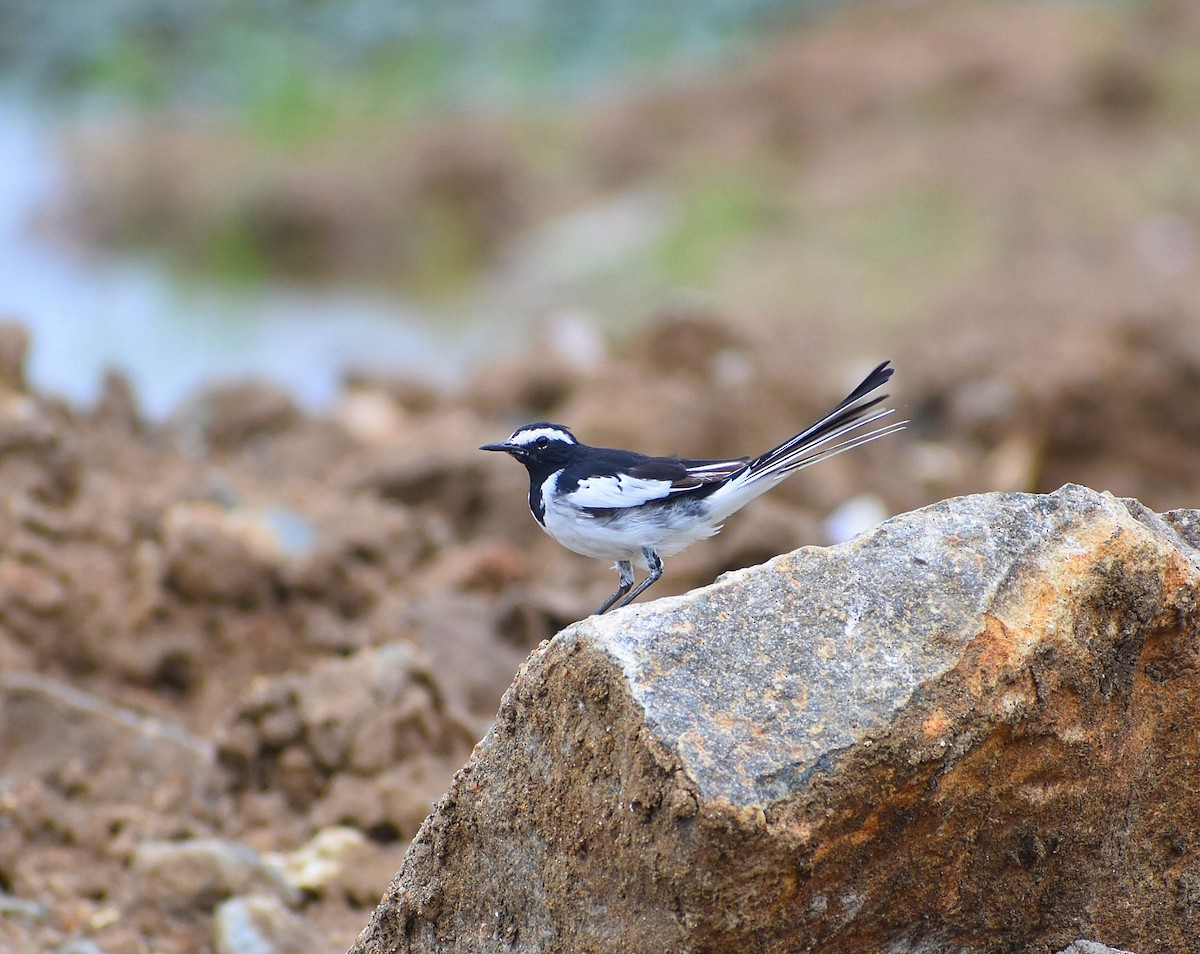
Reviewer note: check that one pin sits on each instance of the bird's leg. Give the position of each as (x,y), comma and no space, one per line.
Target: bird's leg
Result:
(625,568)
(655,566)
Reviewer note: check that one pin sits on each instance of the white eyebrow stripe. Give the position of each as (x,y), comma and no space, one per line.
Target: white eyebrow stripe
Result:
(617,491)
(525,436)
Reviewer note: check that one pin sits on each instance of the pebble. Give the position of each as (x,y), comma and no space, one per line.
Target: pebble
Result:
(258,924)
(186,873)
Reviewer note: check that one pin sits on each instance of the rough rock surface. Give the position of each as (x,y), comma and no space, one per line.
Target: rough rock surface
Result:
(972,729)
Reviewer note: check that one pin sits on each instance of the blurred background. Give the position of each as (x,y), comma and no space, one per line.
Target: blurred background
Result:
(272,270)
(291,189)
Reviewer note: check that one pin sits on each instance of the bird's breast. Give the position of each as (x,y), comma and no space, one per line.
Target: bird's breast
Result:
(665,527)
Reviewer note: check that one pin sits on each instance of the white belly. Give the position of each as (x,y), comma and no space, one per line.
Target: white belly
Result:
(620,535)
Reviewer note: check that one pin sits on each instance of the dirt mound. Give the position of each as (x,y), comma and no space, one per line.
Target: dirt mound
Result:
(252,628)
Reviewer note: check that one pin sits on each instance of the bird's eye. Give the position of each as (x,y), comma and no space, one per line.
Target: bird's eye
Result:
(542,443)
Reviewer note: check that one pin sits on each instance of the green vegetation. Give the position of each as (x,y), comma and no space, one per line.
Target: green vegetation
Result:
(391,54)
(713,217)
(908,242)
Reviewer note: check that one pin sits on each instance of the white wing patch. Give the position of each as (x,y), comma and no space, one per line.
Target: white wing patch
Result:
(716,470)
(617,492)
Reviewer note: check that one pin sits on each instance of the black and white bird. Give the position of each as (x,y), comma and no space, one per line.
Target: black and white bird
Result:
(624,506)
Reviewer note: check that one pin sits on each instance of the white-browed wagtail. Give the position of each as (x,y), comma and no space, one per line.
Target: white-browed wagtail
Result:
(624,506)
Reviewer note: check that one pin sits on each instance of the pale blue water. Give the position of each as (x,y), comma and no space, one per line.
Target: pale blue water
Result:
(90,313)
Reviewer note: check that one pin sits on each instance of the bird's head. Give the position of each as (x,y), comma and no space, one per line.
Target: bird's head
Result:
(539,445)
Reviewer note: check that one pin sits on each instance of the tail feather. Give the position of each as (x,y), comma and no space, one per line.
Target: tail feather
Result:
(820,441)
(802,460)
(848,411)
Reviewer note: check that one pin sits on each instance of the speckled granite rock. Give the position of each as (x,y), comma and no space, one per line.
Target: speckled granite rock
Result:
(1090,947)
(971,729)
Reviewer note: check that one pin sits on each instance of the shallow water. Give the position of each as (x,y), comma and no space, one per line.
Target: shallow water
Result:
(169,335)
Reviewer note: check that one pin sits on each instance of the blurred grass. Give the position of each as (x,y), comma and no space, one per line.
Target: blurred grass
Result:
(1177,79)
(233,254)
(713,216)
(290,96)
(392,53)
(910,243)
(130,70)
(889,253)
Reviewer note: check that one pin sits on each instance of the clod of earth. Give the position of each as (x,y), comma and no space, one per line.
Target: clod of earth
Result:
(973,728)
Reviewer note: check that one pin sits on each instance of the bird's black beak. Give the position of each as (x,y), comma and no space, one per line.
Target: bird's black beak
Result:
(502,446)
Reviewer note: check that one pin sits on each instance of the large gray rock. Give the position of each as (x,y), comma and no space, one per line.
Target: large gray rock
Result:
(971,729)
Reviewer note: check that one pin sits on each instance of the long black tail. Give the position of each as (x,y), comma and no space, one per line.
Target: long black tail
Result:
(852,409)
(816,443)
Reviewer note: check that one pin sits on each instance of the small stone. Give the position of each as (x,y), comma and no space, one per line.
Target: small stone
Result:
(322,860)
(32,587)
(682,804)
(12,906)
(259,924)
(225,417)
(202,871)
(371,416)
(80,945)
(350,800)
(206,561)
(856,515)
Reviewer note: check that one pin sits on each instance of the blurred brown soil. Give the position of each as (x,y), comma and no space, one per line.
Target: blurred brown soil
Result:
(251,626)
(323,614)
